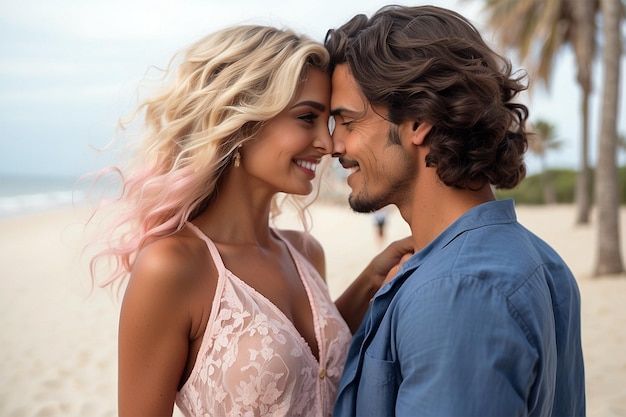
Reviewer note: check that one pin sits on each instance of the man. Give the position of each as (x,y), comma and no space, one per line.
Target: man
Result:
(484,318)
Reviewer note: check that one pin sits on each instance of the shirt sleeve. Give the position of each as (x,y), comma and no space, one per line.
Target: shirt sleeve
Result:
(462,350)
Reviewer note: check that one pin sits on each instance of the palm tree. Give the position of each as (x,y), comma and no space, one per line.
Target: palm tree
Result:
(609,260)
(584,43)
(541,141)
(538,29)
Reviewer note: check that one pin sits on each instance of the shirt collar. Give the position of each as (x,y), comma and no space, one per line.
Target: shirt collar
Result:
(492,212)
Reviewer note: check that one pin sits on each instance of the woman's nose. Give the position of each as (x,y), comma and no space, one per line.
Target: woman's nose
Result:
(324,140)
(324,143)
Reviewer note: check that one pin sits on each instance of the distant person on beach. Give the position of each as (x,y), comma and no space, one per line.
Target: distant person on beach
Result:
(484,318)
(380,221)
(224,314)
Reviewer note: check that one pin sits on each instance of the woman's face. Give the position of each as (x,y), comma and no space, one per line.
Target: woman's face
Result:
(288,149)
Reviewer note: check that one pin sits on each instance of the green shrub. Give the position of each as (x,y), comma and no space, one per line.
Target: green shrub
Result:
(530,191)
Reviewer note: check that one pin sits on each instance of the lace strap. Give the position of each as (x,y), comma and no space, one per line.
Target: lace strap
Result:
(215,254)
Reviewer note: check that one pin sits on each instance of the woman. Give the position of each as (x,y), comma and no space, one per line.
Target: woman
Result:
(224,314)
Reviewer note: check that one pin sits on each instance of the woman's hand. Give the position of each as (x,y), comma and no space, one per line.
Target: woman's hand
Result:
(353,303)
(387,263)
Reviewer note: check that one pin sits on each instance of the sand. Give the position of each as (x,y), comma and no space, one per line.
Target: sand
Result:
(58,342)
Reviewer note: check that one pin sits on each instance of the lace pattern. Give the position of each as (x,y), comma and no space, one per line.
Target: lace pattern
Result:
(254,362)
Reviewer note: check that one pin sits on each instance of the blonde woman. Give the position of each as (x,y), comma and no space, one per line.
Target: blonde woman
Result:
(223,314)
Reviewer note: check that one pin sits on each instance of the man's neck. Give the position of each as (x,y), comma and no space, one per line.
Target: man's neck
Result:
(435,207)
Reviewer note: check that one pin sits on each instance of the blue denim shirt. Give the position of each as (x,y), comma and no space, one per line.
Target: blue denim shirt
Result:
(484,321)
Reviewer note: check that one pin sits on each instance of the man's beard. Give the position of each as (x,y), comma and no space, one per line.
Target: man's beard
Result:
(366,203)
(361,205)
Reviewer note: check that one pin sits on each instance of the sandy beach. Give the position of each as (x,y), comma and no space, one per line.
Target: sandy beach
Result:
(58,342)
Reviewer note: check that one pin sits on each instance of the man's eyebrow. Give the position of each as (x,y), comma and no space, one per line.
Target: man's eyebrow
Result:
(342,110)
(314,104)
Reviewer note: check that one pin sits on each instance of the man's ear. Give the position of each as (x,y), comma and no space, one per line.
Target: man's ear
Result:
(417,131)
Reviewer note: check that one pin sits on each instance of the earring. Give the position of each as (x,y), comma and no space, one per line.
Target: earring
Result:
(237,161)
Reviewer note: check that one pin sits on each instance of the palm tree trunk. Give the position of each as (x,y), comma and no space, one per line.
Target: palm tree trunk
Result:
(549,197)
(609,260)
(583,193)
(583,14)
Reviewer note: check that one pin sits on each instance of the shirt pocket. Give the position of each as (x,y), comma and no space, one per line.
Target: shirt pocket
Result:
(378,388)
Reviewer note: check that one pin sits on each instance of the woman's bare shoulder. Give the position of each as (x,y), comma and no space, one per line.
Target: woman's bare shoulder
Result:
(173,265)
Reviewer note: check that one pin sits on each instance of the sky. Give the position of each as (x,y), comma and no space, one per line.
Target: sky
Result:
(69,69)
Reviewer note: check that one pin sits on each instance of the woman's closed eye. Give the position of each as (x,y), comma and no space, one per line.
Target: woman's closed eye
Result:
(309,117)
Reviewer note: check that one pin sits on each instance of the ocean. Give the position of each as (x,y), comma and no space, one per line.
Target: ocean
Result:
(28,194)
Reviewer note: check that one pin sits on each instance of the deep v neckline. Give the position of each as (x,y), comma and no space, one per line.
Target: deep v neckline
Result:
(217,257)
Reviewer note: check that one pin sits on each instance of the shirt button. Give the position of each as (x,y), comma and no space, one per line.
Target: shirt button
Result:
(322,373)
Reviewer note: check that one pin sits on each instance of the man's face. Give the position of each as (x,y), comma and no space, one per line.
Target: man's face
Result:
(369,146)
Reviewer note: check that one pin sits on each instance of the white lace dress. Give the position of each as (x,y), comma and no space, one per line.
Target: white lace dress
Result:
(254,362)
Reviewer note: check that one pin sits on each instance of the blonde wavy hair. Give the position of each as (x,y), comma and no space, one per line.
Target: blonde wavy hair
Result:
(225,87)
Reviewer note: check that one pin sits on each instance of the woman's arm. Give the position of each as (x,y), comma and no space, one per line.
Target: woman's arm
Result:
(354,301)
(154,329)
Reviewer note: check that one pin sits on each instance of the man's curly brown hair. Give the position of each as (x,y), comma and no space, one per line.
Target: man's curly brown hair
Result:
(428,64)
